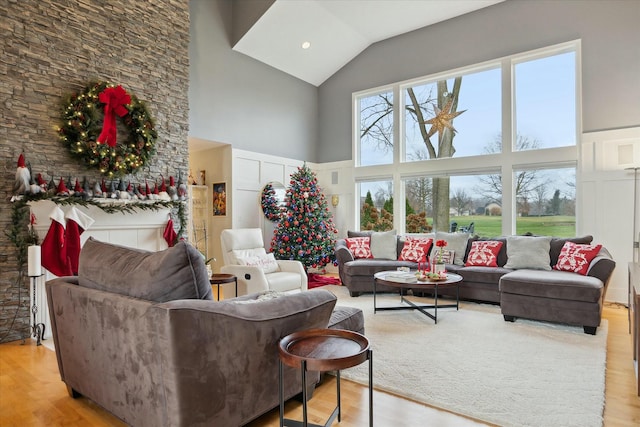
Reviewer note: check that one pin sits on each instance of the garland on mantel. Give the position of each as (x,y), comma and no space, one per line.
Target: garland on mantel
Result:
(20,216)
(110,206)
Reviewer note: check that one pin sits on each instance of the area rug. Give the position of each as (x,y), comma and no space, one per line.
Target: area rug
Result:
(475,364)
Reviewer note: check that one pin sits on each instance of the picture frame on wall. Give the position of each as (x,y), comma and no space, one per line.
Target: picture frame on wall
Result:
(219,199)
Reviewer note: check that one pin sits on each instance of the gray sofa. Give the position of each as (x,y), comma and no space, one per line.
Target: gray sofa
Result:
(541,294)
(138,333)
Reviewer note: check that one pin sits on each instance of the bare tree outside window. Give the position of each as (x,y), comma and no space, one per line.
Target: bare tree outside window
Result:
(376,129)
(421,110)
(461,201)
(419,194)
(525,180)
(539,198)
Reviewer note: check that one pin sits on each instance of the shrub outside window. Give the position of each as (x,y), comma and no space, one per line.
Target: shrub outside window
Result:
(376,205)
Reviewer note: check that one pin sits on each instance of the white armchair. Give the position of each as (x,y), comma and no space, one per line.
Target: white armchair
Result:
(245,257)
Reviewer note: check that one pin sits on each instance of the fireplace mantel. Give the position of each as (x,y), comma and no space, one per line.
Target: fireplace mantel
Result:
(140,229)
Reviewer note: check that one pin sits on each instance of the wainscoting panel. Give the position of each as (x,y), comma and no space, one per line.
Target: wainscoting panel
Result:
(606,195)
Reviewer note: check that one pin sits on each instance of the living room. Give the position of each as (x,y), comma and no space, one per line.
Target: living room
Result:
(262,123)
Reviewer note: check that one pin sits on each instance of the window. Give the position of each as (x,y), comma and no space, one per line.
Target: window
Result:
(376,205)
(545,101)
(375,132)
(474,204)
(546,201)
(419,205)
(455,165)
(475,101)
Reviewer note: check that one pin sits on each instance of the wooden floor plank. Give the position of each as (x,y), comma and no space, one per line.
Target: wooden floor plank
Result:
(32,395)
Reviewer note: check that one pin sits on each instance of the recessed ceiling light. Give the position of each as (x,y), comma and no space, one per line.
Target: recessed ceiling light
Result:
(306,45)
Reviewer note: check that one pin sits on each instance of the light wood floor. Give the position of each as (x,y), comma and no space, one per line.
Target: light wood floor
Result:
(31,393)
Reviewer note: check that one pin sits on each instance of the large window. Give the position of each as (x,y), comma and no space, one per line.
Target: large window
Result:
(473,103)
(465,155)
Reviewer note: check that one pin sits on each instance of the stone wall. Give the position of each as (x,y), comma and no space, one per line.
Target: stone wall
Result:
(51,48)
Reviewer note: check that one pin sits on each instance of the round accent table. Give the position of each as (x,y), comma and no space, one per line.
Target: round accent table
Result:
(405,281)
(222,278)
(323,350)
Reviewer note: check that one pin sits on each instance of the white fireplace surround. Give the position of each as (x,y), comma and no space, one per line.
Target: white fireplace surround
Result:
(142,229)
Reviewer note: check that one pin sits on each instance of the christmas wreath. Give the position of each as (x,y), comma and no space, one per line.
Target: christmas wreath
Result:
(89,129)
(270,205)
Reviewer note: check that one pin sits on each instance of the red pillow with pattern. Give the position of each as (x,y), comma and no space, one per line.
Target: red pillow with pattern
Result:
(360,247)
(576,258)
(484,253)
(415,249)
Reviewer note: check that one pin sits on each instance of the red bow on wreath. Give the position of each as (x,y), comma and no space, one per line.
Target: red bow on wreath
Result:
(115,99)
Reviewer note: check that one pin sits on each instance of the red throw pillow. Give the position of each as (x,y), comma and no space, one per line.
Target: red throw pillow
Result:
(415,249)
(359,247)
(484,253)
(576,258)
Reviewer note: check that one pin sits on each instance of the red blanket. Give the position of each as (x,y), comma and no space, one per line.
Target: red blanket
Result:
(316,280)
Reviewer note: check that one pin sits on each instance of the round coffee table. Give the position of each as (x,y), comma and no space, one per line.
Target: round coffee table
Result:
(404,282)
(323,350)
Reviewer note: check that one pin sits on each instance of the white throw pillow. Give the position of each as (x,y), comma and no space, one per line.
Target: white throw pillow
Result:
(528,252)
(456,242)
(384,245)
(267,262)
(236,254)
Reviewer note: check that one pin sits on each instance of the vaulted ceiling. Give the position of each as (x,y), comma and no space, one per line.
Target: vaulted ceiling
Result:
(337,30)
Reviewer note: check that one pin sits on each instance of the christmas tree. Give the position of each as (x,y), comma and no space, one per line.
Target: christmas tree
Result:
(305,231)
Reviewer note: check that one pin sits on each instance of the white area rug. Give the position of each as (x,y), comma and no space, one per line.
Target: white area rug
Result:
(474,363)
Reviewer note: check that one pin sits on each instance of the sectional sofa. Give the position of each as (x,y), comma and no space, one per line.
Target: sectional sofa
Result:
(525,278)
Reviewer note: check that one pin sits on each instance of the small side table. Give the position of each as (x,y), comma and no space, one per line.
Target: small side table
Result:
(222,278)
(323,350)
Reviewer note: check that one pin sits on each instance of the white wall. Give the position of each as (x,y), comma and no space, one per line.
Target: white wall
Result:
(251,172)
(606,196)
(337,178)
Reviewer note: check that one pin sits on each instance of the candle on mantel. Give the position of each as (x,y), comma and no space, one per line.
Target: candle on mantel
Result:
(34,261)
